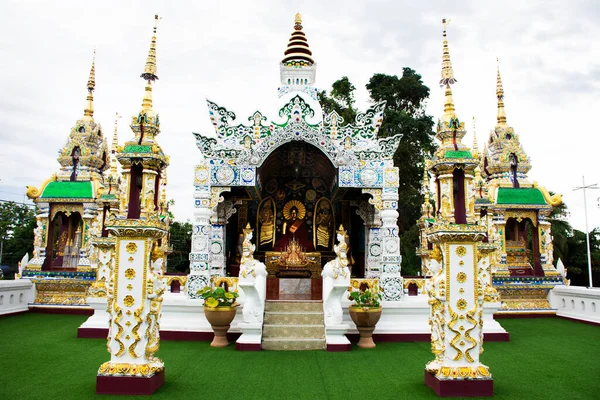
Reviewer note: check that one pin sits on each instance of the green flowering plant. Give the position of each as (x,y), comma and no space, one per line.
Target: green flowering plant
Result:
(366,298)
(218,297)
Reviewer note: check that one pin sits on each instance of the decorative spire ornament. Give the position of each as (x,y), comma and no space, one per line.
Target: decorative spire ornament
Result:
(149,73)
(500,96)
(88,113)
(113,147)
(298,52)
(475,149)
(447,76)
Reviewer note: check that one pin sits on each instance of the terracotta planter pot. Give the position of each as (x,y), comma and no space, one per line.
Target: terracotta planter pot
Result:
(365,320)
(220,320)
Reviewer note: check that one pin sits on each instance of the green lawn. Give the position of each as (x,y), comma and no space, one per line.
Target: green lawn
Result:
(547,358)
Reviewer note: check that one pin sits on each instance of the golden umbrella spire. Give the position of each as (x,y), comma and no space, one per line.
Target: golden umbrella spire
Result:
(88,113)
(500,96)
(298,51)
(475,146)
(149,73)
(114,145)
(447,76)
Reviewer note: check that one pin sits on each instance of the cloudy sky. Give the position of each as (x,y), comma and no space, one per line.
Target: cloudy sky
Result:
(229,52)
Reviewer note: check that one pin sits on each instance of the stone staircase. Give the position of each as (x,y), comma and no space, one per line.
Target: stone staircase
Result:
(293,325)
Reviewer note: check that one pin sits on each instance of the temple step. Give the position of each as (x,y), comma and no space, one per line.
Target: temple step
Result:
(293,344)
(293,318)
(294,331)
(293,325)
(293,306)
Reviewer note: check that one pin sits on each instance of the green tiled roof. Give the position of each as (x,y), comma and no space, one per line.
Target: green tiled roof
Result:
(520,196)
(108,196)
(458,154)
(72,190)
(137,149)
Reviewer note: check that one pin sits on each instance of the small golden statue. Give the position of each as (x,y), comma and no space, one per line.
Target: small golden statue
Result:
(323,224)
(267,224)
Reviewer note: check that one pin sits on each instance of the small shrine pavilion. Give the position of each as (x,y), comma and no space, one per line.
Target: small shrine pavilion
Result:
(515,210)
(67,206)
(295,179)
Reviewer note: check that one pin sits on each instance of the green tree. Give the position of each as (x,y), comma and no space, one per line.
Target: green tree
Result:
(561,232)
(17,222)
(405,98)
(180,238)
(341,99)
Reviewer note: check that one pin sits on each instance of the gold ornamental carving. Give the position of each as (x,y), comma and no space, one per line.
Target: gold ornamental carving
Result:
(131,247)
(129,273)
(461,277)
(461,304)
(461,251)
(128,300)
(145,370)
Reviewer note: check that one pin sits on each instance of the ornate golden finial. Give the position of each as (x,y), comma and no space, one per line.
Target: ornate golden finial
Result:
(500,96)
(149,73)
(341,230)
(447,76)
(298,22)
(475,146)
(115,139)
(88,113)
(447,72)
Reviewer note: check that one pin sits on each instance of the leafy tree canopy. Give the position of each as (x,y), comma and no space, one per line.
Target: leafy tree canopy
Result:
(406,99)
(17,222)
(180,238)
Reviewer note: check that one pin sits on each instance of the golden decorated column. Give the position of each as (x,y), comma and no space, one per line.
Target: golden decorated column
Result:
(136,289)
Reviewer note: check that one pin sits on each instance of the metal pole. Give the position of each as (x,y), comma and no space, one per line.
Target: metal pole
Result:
(587,232)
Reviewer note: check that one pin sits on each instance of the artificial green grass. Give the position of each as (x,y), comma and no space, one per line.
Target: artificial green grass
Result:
(547,358)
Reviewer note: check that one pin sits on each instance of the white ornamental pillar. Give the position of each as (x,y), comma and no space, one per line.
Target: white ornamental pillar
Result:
(199,276)
(134,308)
(456,299)
(390,279)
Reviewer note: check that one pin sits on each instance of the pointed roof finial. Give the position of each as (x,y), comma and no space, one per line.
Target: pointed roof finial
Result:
(113,148)
(115,139)
(297,52)
(475,146)
(88,113)
(500,96)
(149,73)
(447,77)
(447,72)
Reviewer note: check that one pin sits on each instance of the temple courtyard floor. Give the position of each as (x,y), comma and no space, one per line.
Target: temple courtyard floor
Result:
(546,358)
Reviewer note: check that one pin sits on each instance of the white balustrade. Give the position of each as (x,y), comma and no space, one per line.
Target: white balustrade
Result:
(15,295)
(576,302)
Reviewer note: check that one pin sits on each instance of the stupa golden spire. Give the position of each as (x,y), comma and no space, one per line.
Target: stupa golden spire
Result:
(298,51)
(88,113)
(113,147)
(500,96)
(475,149)
(447,77)
(149,74)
